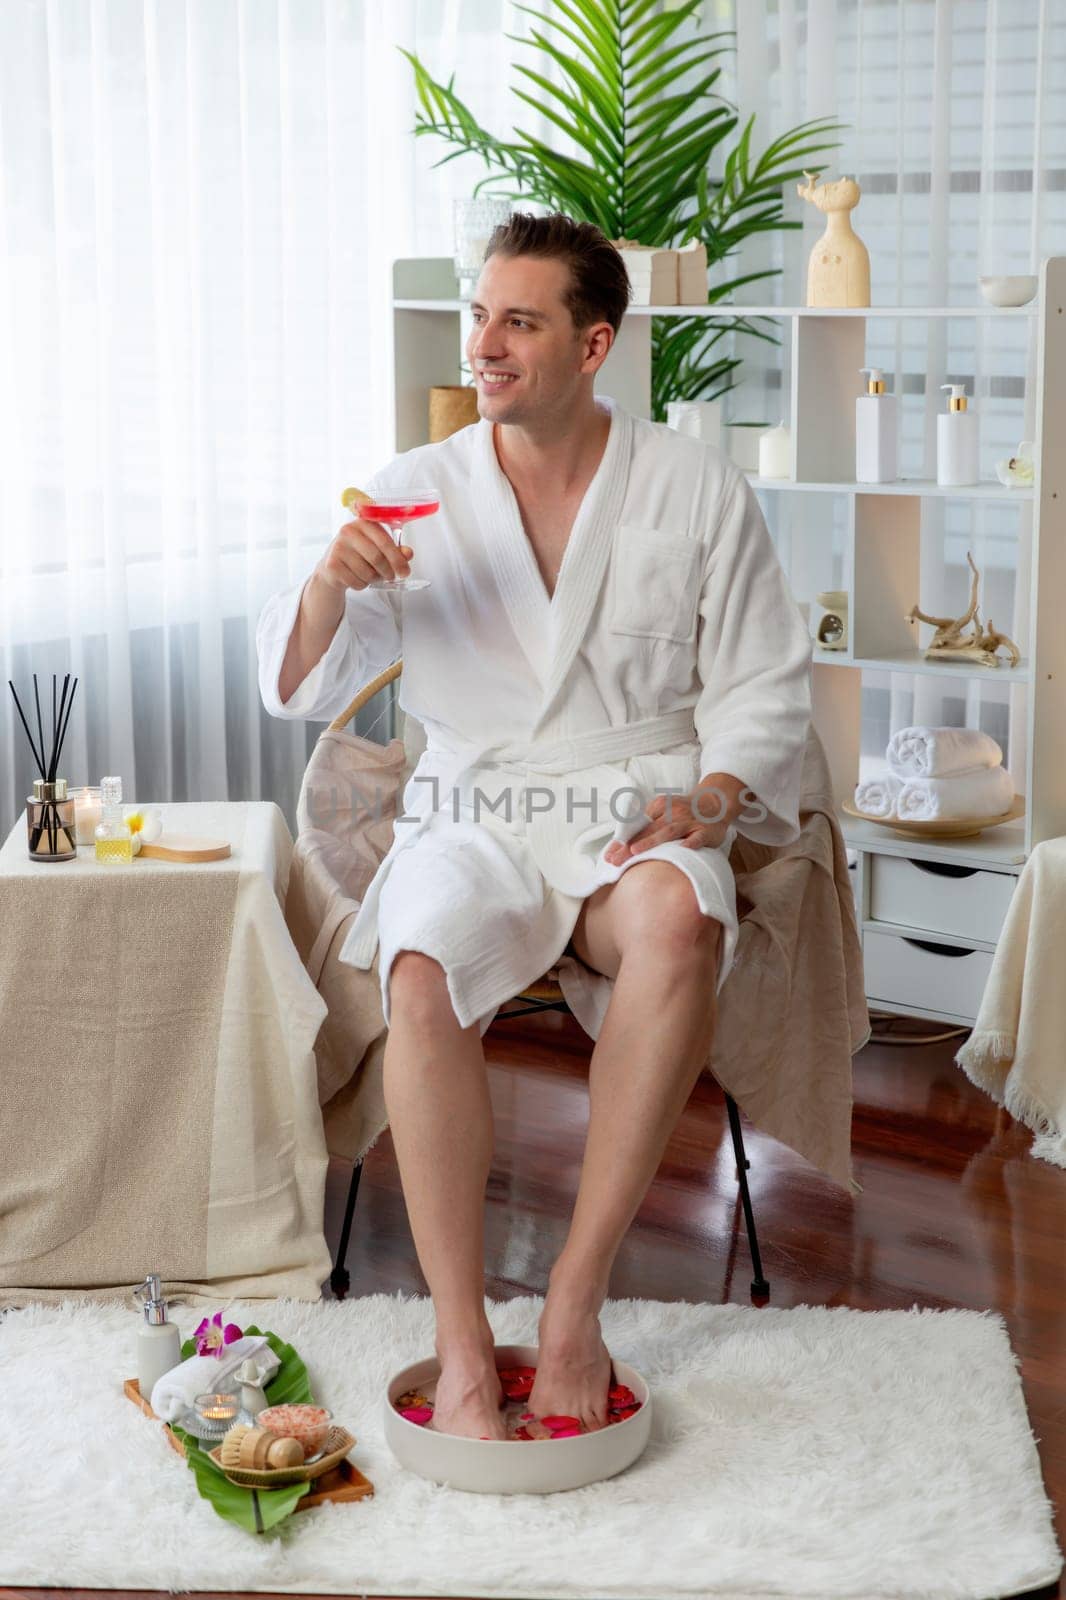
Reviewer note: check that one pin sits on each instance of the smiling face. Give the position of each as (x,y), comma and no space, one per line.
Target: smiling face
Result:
(530,363)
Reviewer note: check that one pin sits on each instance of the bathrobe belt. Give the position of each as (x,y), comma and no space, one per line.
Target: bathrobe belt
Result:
(587,757)
(594,747)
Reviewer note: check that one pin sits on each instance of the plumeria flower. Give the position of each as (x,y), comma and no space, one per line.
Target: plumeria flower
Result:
(212,1338)
(1018,469)
(145,824)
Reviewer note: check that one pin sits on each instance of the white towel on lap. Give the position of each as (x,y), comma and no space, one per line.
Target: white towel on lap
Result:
(878,796)
(985,793)
(941,752)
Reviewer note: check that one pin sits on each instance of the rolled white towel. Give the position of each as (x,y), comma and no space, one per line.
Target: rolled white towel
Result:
(941,752)
(878,796)
(987,793)
(176,1390)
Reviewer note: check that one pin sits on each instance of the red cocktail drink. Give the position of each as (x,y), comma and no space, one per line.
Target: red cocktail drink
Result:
(394,511)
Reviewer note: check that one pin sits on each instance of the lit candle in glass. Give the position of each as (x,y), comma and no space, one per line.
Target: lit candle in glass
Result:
(88,810)
(217,1412)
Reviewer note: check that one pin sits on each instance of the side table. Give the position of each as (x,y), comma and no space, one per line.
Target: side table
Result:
(160,1109)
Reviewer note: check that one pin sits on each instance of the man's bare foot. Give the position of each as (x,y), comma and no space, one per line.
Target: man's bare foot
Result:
(469,1396)
(573,1363)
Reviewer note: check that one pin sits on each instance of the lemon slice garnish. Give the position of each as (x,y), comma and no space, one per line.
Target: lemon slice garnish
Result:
(354,497)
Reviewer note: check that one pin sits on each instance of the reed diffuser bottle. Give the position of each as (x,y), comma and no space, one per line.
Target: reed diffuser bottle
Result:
(49,811)
(50,821)
(114,841)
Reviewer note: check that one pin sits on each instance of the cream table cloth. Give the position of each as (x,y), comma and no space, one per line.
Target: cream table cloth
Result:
(160,1106)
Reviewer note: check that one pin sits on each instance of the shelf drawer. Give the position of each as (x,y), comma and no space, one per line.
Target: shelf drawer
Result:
(940,896)
(919,973)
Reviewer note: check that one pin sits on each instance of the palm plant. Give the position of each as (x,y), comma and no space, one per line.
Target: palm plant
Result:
(638,99)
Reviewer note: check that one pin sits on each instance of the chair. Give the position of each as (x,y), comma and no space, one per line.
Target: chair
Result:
(543,995)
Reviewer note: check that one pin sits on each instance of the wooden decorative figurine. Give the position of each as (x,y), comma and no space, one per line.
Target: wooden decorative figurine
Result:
(838,273)
(950,641)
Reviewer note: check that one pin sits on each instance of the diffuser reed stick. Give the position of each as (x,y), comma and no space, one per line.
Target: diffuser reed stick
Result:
(46,759)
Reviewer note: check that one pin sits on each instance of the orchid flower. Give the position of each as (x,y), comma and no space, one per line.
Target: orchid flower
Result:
(212,1338)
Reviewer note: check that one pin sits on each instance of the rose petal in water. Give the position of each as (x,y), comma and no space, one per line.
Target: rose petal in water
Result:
(419,1414)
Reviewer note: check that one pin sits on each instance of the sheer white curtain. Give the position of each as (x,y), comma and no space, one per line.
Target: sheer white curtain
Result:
(199,202)
(957,134)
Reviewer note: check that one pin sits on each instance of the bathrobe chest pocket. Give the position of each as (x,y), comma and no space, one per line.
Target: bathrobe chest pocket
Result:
(655,584)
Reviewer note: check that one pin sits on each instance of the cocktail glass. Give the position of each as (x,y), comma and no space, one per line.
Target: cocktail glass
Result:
(394,511)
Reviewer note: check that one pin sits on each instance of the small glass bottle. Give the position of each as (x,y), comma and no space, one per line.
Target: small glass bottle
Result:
(114,842)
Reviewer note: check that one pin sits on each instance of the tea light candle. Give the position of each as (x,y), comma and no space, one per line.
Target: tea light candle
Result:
(775,452)
(217,1410)
(88,810)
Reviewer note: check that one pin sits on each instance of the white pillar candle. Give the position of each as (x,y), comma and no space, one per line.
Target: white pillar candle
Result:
(775,452)
(88,810)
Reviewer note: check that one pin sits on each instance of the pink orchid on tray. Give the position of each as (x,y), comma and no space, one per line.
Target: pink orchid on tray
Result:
(212,1338)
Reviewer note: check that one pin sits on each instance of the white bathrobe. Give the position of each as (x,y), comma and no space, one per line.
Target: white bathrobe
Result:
(671,648)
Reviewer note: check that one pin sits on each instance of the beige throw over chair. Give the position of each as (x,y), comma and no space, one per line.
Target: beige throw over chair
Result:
(797,968)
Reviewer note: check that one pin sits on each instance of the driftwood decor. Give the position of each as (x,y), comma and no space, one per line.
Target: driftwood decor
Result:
(951,642)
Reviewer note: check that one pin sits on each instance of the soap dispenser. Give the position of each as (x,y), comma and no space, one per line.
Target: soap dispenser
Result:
(876,431)
(956,440)
(158,1341)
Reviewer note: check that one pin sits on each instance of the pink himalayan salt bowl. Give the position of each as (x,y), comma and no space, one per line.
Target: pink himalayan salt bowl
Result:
(308,1424)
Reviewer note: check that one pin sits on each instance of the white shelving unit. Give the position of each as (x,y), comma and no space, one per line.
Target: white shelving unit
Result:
(930,912)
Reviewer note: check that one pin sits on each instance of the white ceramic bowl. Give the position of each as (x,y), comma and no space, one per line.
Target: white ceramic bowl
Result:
(515,1466)
(1008,291)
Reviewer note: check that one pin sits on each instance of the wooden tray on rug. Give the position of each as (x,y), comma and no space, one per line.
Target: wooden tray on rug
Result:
(343,1482)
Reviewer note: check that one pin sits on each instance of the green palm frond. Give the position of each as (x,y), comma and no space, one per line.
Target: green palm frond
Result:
(634,91)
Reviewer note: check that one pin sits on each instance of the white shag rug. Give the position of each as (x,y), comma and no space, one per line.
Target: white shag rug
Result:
(808,1452)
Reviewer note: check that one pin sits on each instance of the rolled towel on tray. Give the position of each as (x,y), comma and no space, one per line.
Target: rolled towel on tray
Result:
(176,1390)
(921,752)
(986,793)
(878,796)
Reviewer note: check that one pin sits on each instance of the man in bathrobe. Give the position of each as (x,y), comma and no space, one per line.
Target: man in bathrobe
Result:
(611,673)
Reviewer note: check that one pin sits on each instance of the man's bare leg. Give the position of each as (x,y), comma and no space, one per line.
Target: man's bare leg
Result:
(440,1115)
(647,932)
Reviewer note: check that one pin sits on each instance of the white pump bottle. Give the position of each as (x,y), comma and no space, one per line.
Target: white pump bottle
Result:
(158,1340)
(876,432)
(956,440)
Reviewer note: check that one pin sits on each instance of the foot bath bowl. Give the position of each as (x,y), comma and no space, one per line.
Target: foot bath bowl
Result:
(515,1466)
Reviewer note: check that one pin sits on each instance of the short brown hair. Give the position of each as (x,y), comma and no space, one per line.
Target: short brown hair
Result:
(599,284)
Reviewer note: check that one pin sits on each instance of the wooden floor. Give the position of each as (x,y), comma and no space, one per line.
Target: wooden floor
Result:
(955,1212)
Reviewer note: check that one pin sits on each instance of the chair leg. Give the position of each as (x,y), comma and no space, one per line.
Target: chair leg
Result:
(339,1281)
(759,1284)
